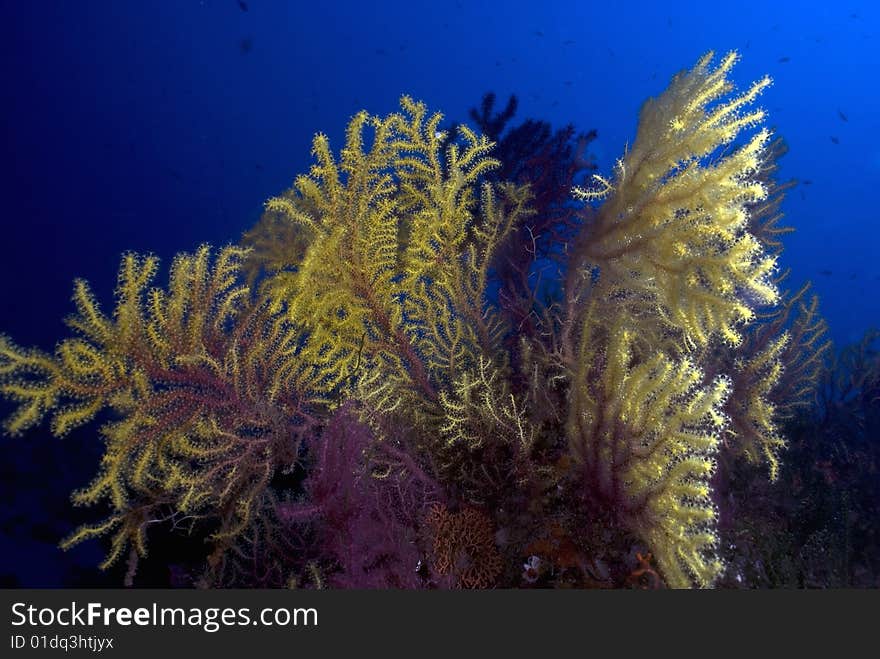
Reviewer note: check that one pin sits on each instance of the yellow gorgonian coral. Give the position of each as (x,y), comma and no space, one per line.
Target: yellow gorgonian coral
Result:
(203,385)
(674,265)
(390,285)
(774,375)
(673,232)
(644,431)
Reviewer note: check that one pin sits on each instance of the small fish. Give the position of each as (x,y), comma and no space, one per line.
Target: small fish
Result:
(568,83)
(569,42)
(538,33)
(807,181)
(380,51)
(783,60)
(242,5)
(835,140)
(246,45)
(259,167)
(827,273)
(842,116)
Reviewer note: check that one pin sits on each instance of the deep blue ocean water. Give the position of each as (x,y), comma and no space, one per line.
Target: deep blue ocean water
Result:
(156,126)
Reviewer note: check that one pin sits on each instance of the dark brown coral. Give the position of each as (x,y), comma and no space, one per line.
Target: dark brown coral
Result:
(464,546)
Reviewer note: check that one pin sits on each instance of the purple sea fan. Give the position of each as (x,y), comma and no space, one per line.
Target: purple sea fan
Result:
(366,527)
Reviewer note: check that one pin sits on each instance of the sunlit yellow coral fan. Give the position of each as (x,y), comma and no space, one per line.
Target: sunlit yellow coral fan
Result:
(673,232)
(391,285)
(644,431)
(670,266)
(203,385)
(774,376)
(776,368)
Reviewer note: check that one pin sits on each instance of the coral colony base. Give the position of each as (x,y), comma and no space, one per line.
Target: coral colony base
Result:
(413,372)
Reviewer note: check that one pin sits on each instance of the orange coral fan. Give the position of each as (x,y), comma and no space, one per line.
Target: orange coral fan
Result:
(464,546)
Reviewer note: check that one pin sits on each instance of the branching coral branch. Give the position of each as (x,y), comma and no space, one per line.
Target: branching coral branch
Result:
(392,289)
(673,233)
(775,374)
(644,433)
(201,383)
(367,526)
(676,258)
